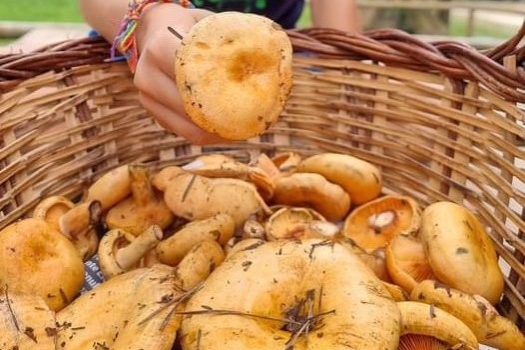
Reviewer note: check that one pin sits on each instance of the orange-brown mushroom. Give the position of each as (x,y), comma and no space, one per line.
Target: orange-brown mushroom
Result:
(312,191)
(173,249)
(294,223)
(145,207)
(221,166)
(374,224)
(79,225)
(360,179)
(458,247)
(406,262)
(195,197)
(37,259)
(26,322)
(250,69)
(421,342)
(52,208)
(120,251)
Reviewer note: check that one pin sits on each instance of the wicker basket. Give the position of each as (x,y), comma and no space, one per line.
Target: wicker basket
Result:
(442,120)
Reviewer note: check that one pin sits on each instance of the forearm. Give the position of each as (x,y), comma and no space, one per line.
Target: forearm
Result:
(105,16)
(338,14)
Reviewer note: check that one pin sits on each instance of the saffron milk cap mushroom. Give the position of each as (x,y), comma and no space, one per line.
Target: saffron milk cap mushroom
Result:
(314,191)
(195,197)
(120,251)
(360,179)
(26,322)
(145,206)
(173,249)
(425,319)
(375,223)
(133,310)
(483,319)
(234,73)
(37,259)
(460,251)
(406,262)
(308,294)
(52,208)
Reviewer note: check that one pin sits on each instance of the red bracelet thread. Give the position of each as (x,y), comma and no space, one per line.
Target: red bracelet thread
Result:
(125,41)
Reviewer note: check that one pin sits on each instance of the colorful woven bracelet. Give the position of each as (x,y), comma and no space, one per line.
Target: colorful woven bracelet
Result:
(125,41)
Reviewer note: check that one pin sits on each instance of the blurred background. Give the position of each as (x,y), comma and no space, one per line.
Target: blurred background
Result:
(29,24)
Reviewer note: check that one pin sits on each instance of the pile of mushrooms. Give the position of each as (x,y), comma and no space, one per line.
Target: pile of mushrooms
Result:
(283,251)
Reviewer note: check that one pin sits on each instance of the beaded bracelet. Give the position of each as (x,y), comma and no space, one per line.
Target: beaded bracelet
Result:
(125,41)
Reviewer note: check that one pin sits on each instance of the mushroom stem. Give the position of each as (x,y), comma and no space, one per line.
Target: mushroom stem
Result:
(128,256)
(80,218)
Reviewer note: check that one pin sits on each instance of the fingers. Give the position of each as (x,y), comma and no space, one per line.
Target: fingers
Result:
(178,123)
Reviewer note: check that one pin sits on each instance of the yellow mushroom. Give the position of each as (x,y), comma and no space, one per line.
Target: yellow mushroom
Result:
(173,249)
(312,191)
(79,225)
(421,342)
(120,251)
(306,294)
(37,259)
(253,228)
(109,189)
(460,251)
(360,179)
(292,223)
(244,58)
(372,225)
(287,162)
(424,319)
(483,319)
(220,166)
(26,322)
(375,259)
(199,262)
(195,197)
(406,262)
(145,206)
(134,310)
(51,209)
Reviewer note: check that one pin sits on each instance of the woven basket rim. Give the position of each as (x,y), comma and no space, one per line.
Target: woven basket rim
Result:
(392,47)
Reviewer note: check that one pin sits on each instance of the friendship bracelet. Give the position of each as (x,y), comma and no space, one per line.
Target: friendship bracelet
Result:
(125,41)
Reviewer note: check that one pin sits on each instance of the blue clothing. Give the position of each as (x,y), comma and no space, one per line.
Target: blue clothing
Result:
(284,12)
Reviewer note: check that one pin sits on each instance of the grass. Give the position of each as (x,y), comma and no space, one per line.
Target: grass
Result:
(40,11)
(67,11)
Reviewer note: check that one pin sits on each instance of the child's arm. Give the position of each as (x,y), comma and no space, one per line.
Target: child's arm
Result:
(338,14)
(153,77)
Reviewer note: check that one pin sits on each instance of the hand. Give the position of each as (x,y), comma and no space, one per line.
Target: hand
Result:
(154,76)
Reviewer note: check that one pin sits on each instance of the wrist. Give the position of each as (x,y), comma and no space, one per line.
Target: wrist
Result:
(138,22)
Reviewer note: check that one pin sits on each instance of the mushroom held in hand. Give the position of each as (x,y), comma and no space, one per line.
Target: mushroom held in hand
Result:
(234,73)
(37,259)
